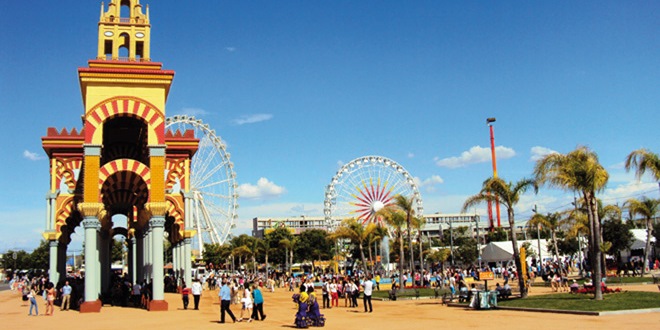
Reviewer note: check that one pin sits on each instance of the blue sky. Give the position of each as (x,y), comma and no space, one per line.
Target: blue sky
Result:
(297,88)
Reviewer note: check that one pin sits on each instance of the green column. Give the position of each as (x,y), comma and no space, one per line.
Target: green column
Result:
(53,275)
(91,225)
(157,223)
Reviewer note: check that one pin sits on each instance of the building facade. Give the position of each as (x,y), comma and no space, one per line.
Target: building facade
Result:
(121,162)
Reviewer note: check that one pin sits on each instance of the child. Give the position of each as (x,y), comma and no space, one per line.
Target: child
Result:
(185,291)
(247,305)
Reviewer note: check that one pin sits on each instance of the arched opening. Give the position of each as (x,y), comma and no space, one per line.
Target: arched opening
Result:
(125,9)
(125,137)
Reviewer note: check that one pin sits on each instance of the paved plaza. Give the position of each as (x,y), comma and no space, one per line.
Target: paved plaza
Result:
(422,314)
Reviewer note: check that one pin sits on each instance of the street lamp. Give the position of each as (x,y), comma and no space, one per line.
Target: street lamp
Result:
(489,122)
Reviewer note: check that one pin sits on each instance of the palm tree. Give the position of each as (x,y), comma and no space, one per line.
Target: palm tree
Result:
(353,230)
(375,238)
(579,171)
(550,222)
(647,208)
(507,194)
(287,244)
(396,219)
(407,206)
(418,223)
(642,160)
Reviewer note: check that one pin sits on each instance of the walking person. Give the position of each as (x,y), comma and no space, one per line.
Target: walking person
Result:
(225,302)
(368,289)
(334,294)
(50,299)
(326,294)
(247,304)
(258,310)
(196,292)
(33,300)
(185,292)
(66,296)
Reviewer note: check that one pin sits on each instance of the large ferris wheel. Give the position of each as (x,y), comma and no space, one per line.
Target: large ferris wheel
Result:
(366,185)
(212,183)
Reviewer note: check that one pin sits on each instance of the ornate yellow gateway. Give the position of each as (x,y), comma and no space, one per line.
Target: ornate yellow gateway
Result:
(122,162)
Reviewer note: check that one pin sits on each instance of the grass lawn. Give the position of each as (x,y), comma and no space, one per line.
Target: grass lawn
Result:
(585,302)
(412,293)
(610,280)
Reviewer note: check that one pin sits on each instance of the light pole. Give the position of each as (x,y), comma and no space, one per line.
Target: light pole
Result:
(538,238)
(489,122)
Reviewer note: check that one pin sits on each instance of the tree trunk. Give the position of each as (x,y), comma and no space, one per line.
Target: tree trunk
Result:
(594,225)
(410,247)
(364,261)
(401,262)
(649,228)
(266,263)
(554,241)
(290,259)
(286,259)
(516,254)
(371,258)
(421,252)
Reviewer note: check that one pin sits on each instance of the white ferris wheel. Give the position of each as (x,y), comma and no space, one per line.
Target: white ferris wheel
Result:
(364,186)
(212,183)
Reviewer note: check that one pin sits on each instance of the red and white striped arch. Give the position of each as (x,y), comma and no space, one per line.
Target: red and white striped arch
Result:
(126,106)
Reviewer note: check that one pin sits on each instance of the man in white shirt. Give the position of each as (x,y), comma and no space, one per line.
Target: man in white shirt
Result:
(368,289)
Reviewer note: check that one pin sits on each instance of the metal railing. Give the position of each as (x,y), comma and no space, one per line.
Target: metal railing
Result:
(125,20)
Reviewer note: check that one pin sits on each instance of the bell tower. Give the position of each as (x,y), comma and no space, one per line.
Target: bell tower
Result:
(124,32)
(121,163)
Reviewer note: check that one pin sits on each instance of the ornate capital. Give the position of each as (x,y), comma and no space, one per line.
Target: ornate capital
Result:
(156,208)
(90,210)
(91,223)
(51,235)
(187,241)
(53,244)
(157,222)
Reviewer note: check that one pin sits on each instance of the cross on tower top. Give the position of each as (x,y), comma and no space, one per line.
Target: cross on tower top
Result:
(124,32)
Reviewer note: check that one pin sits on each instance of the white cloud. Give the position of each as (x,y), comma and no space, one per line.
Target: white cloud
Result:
(623,192)
(540,152)
(475,155)
(230,49)
(428,184)
(263,189)
(32,155)
(411,155)
(340,163)
(193,112)
(618,166)
(251,119)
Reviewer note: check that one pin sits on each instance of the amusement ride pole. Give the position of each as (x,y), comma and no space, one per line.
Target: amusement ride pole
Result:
(489,121)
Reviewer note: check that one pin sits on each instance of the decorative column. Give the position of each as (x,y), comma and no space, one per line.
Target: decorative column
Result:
(157,224)
(131,257)
(90,212)
(175,259)
(139,255)
(53,275)
(187,265)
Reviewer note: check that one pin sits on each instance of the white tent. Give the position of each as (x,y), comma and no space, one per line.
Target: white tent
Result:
(503,251)
(639,239)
